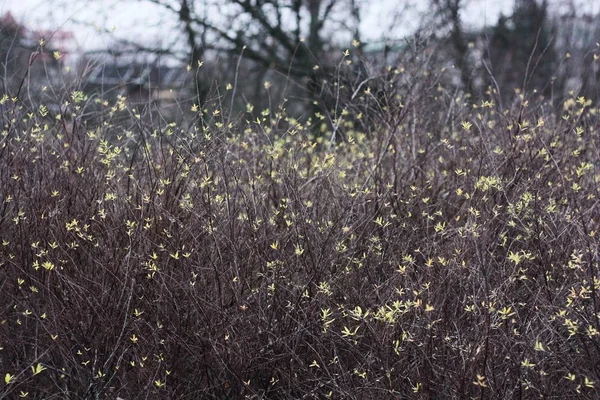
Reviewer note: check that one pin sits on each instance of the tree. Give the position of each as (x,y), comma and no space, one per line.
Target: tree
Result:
(450,10)
(14,53)
(521,49)
(447,13)
(284,35)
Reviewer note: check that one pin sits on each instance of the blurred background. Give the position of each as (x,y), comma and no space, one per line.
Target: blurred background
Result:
(266,52)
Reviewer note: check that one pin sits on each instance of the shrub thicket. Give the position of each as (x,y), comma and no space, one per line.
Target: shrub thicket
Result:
(420,245)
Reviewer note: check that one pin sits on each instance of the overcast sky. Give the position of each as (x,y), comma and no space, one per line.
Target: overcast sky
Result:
(97,22)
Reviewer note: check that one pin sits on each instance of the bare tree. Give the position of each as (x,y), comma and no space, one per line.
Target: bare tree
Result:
(287,36)
(448,12)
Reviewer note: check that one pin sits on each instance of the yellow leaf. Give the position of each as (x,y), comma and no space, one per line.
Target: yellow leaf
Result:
(539,346)
(37,369)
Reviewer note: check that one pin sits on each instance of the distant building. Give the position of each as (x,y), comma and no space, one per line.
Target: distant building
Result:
(139,82)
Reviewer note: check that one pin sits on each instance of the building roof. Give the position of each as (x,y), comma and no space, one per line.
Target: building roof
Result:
(138,74)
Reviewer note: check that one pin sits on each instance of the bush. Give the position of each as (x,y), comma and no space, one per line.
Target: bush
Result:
(411,243)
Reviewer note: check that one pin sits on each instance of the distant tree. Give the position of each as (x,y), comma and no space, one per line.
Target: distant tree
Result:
(13,52)
(28,58)
(449,19)
(577,33)
(521,49)
(287,36)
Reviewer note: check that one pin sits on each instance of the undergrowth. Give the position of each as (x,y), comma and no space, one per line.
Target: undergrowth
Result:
(407,243)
